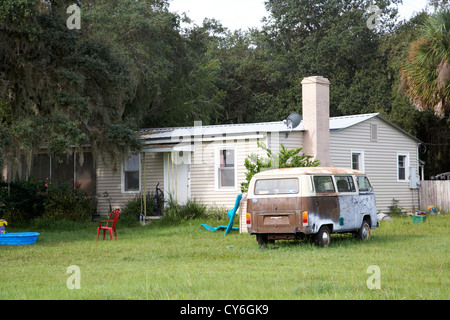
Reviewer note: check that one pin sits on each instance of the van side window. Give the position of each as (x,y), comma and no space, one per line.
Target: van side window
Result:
(323,184)
(345,184)
(276,186)
(363,184)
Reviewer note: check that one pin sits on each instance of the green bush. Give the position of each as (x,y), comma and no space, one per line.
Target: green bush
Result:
(65,201)
(394,209)
(25,200)
(174,212)
(284,159)
(22,200)
(216,212)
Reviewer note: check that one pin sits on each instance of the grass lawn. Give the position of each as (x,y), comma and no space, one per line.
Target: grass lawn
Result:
(188,262)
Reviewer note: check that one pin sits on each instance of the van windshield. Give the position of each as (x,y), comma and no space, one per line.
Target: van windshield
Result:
(363,184)
(277,186)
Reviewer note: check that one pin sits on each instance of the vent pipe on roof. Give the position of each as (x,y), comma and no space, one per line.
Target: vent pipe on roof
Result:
(316,119)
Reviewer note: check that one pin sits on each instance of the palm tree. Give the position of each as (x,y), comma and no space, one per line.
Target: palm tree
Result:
(426,72)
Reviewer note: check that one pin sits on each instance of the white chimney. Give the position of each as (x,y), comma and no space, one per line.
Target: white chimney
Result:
(316,119)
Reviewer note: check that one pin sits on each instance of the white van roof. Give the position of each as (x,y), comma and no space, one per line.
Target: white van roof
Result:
(306,171)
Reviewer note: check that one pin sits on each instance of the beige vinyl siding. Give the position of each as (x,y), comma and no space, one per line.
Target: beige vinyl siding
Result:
(110,180)
(203,177)
(380,159)
(294,140)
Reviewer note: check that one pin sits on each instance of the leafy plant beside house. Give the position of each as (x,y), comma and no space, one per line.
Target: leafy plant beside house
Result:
(192,209)
(65,201)
(394,209)
(25,200)
(21,200)
(284,159)
(214,211)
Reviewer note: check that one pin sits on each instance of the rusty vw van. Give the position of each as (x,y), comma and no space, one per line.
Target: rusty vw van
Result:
(297,203)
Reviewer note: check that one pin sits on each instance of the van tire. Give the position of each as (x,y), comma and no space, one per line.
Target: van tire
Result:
(323,237)
(364,232)
(261,239)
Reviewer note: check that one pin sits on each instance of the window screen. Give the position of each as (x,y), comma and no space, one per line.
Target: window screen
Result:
(62,169)
(355,161)
(401,167)
(41,166)
(226,168)
(85,174)
(131,173)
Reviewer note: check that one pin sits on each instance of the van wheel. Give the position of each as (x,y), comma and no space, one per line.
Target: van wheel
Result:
(261,238)
(322,238)
(364,232)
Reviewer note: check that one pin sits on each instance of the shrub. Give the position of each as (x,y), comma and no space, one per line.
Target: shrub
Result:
(284,159)
(174,212)
(216,212)
(25,200)
(22,200)
(193,209)
(66,201)
(395,209)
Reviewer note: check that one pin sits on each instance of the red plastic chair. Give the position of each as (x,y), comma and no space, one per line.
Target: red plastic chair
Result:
(115,216)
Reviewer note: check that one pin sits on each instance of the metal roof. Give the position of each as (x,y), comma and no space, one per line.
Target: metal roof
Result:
(216,130)
(339,123)
(306,170)
(336,123)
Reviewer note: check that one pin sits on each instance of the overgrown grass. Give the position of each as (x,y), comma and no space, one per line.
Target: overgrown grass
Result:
(188,262)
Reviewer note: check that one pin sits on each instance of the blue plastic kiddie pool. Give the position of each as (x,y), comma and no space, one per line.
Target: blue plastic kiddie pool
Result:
(18,238)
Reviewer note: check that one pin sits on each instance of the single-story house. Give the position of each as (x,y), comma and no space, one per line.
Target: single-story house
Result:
(207,162)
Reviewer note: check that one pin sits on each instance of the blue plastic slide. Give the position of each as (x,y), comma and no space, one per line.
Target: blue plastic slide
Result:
(231,215)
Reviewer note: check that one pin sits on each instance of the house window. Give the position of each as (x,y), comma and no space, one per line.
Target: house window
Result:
(41,167)
(225,168)
(83,176)
(402,165)
(131,174)
(358,160)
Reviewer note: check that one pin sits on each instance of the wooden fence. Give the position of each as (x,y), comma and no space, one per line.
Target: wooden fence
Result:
(436,193)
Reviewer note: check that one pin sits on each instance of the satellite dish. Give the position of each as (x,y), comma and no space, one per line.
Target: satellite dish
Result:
(292,122)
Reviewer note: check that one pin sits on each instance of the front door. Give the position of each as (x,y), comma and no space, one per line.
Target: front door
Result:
(177,167)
